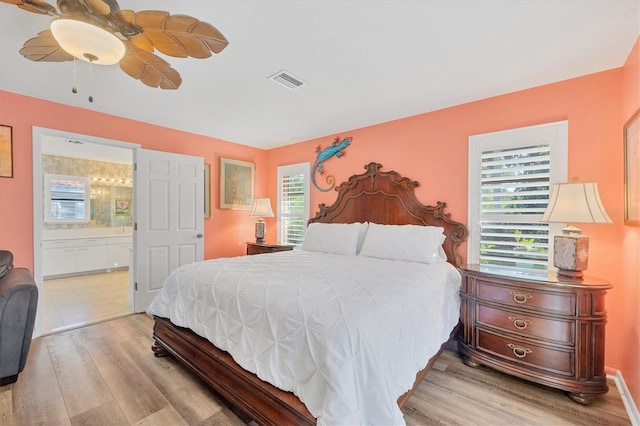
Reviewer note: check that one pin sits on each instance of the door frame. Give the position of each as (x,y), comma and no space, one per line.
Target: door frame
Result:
(38,135)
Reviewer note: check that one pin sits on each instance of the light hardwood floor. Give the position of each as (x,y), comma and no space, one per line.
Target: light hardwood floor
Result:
(85,299)
(106,374)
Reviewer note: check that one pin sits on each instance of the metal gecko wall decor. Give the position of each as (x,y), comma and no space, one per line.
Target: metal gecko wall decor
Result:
(336,149)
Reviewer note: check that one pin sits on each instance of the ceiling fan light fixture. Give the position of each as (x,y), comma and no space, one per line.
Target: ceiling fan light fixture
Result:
(87,42)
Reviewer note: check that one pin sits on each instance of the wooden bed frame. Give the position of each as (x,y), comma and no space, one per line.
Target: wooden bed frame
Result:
(373,196)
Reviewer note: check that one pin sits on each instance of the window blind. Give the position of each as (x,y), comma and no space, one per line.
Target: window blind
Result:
(514,193)
(293,203)
(292,218)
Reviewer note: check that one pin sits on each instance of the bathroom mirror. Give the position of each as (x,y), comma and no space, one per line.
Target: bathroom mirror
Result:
(66,199)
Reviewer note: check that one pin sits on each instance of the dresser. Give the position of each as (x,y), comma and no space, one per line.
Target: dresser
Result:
(260,248)
(536,327)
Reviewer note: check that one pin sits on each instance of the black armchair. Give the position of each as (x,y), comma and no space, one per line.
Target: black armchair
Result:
(18,302)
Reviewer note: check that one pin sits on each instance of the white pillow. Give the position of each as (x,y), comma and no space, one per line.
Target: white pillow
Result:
(363,232)
(412,243)
(336,238)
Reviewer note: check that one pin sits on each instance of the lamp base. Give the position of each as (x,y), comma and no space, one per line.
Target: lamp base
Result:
(572,275)
(571,255)
(261,231)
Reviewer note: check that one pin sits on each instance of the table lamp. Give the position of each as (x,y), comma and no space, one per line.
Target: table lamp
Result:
(261,209)
(574,202)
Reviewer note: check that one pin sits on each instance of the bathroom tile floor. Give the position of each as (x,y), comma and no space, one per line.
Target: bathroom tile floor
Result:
(86,299)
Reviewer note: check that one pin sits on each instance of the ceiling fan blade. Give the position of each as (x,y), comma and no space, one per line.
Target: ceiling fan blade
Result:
(34,6)
(177,35)
(149,68)
(99,6)
(44,48)
(142,42)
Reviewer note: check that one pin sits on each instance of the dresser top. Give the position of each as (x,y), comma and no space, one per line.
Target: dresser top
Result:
(254,243)
(546,277)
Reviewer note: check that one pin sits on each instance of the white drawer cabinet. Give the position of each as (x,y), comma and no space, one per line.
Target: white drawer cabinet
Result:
(58,257)
(90,254)
(81,255)
(118,252)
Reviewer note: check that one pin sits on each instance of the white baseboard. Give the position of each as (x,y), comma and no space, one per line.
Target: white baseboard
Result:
(627,399)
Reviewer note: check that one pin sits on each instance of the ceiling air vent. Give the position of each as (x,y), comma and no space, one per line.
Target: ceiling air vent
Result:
(287,80)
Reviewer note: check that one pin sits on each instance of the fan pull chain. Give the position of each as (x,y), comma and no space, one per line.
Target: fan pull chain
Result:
(90,81)
(74,89)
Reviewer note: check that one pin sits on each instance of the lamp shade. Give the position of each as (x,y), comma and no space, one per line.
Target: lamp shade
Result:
(575,202)
(262,208)
(87,42)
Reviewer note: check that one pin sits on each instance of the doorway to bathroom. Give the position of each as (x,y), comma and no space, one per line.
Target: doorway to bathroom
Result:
(87,244)
(86,231)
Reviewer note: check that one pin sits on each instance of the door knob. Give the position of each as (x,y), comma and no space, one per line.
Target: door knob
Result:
(199,235)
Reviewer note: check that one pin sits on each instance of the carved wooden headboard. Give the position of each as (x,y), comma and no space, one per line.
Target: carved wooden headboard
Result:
(388,198)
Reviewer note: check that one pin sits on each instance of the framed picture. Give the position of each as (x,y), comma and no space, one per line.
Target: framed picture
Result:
(632,170)
(6,152)
(123,207)
(236,184)
(207,191)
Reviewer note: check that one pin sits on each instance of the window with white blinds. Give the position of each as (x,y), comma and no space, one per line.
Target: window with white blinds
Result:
(293,203)
(511,175)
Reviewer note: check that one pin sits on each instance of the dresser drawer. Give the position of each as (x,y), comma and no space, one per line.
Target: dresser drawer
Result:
(552,360)
(561,303)
(550,330)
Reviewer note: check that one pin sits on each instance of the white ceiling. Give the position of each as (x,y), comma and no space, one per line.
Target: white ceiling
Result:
(364,62)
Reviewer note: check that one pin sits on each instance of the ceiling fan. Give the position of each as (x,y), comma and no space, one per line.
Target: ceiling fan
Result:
(97,31)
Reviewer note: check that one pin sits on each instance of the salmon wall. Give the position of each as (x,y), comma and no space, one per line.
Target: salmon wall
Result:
(432,148)
(225,232)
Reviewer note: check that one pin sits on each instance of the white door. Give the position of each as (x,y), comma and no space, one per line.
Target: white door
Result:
(169,212)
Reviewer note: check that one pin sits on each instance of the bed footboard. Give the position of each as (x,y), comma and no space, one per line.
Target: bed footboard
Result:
(264,403)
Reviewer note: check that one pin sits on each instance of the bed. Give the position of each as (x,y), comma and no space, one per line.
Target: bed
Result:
(359,311)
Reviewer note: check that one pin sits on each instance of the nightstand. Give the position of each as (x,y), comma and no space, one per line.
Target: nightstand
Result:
(536,327)
(260,248)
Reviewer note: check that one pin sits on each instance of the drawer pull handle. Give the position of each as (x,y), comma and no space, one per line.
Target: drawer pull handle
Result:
(519,323)
(520,297)
(519,351)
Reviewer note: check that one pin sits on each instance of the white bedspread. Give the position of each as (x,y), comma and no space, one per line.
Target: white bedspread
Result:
(346,334)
